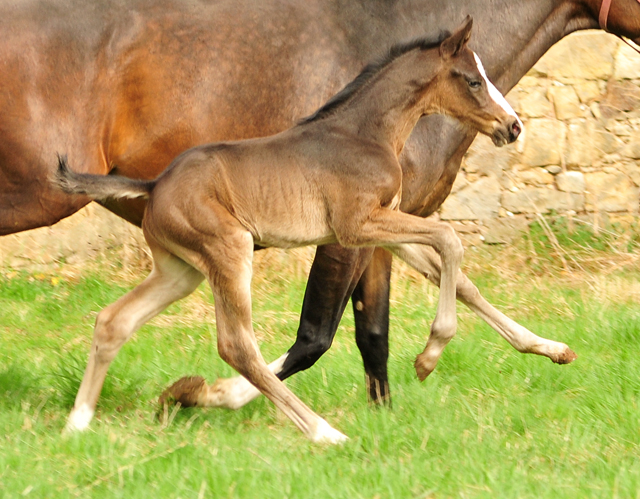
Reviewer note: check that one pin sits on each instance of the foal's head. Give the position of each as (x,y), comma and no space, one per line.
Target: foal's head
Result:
(464,92)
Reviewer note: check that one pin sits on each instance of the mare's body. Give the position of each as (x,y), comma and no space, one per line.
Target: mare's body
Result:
(124,87)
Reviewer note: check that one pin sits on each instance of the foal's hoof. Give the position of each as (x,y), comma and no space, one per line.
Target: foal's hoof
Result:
(566,357)
(186,391)
(422,369)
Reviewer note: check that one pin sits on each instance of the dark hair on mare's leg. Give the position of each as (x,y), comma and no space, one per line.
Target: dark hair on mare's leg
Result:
(371,313)
(323,306)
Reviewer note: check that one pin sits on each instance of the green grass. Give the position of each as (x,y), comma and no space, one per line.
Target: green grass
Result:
(489,422)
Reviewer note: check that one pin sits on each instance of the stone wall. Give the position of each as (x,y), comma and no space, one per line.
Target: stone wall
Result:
(579,155)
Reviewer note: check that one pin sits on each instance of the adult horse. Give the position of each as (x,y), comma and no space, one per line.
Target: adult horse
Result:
(125,87)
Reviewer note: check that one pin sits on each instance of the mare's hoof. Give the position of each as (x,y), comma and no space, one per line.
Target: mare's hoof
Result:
(185,391)
(566,357)
(378,392)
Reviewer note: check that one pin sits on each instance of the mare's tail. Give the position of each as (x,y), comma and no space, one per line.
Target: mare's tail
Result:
(100,187)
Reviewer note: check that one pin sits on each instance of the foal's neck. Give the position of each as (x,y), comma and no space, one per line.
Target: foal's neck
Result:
(387,108)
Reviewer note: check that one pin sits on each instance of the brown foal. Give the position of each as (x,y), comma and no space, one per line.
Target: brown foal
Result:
(335,177)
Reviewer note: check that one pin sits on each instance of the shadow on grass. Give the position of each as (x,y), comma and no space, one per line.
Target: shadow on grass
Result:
(18,385)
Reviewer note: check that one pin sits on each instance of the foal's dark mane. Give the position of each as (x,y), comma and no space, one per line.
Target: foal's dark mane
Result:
(371,70)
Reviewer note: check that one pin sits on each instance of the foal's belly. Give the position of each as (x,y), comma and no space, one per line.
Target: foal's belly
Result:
(294,229)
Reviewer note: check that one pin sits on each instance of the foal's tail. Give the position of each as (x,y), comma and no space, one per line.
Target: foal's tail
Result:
(100,187)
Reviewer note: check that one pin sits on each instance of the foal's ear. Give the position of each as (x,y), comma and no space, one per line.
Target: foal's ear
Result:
(460,37)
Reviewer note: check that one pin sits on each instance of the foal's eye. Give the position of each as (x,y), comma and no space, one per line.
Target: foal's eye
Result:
(475,83)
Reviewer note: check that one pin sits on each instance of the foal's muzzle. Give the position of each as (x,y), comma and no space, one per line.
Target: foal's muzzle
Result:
(507,131)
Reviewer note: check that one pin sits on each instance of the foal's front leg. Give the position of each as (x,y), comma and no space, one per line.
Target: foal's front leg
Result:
(333,276)
(519,337)
(392,229)
(228,259)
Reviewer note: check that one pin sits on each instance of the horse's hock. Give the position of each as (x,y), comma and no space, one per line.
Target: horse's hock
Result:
(580,154)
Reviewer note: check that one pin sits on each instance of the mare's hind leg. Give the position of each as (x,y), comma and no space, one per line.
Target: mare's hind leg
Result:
(517,336)
(228,264)
(170,280)
(370,301)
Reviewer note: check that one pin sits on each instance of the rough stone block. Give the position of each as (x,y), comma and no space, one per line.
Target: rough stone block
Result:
(632,170)
(484,158)
(571,182)
(587,91)
(542,200)
(584,55)
(604,141)
(565,102)
(504,230)
(587,142)
(532,102)
(478,201)
(535,176)
(553,169)
(611,192)
(543,142)
(632,148)
(621,96)
(459,183)
(564,201)
(627,63)
(579,150)
(465,227)
(82,237)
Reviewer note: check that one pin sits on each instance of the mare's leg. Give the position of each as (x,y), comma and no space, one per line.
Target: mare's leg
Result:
(170,280)
(516,335)
(371,313)
(228,260)
(334,274)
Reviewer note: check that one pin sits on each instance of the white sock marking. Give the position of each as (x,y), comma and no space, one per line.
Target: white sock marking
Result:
(79,418)
(326,434)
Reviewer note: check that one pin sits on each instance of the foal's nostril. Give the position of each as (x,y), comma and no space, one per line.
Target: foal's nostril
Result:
(514,130)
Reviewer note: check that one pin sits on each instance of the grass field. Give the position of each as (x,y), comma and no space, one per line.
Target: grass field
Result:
(489,422)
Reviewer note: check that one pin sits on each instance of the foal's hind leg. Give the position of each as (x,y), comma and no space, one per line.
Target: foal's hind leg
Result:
(170,280)
(228,261)
(517,336)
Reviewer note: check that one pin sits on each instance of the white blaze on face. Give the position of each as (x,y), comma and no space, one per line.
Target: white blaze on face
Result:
(495,94)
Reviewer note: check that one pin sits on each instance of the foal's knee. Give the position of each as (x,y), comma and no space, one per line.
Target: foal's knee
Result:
(241,355)
(110,333)
(453,247)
